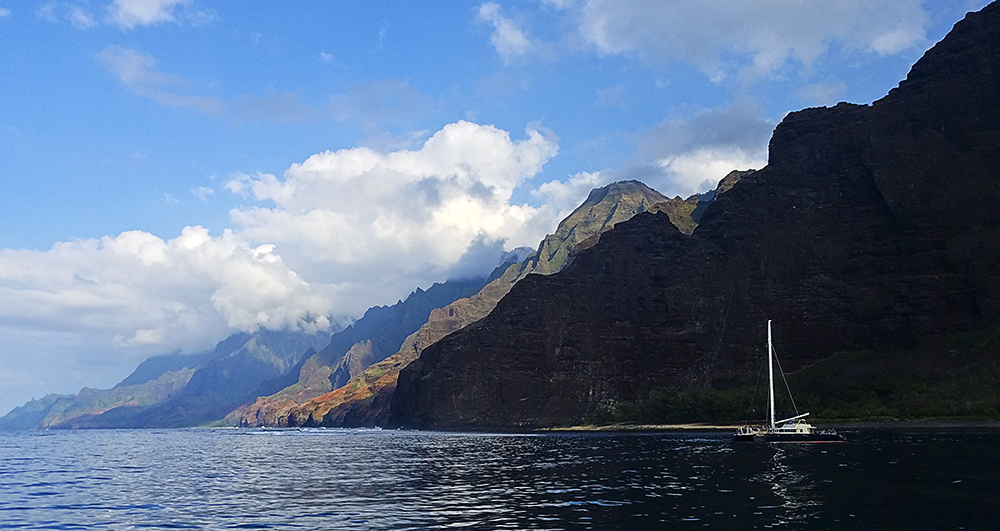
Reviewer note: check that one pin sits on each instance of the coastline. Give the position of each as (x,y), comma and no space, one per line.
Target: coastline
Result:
(881,424)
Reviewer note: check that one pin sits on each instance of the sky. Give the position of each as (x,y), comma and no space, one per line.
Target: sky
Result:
(172,171)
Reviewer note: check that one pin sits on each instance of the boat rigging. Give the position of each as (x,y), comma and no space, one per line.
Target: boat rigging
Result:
(790,430)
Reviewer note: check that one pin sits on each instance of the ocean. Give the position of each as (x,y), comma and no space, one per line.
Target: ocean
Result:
(371,479)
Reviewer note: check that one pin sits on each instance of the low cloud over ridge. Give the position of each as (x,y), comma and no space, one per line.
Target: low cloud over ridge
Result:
(337,233)
(356,215)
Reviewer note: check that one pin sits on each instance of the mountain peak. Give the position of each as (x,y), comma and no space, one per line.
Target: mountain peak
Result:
(604,208)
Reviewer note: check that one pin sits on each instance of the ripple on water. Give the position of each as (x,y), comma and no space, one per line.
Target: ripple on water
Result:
(349,479)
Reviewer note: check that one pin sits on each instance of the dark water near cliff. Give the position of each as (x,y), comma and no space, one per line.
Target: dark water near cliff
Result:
(247,479)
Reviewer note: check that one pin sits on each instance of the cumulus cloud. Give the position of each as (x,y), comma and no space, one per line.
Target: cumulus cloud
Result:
(138,73)
(754,37)
(91,309)
(140,290)
(399,218)
(700,170)
(508,39)
(334,235)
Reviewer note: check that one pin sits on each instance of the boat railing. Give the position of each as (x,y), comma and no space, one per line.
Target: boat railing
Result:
(749,430)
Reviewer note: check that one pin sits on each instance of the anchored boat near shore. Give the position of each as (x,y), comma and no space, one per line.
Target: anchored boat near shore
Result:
(790,430)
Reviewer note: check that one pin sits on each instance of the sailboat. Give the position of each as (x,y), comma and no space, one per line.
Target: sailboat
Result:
(790,430)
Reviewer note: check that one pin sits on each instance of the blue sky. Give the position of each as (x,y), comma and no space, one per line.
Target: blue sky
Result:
(174,171)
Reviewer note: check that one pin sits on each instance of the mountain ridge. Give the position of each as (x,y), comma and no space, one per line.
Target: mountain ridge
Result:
(172,390)
(857,235)
(364,399)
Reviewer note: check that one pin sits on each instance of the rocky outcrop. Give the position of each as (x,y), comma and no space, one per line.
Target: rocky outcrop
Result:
(873,227)
(604,208)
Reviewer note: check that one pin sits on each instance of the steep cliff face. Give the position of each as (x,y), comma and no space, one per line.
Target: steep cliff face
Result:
(872,227)
(364,400)
(377,334)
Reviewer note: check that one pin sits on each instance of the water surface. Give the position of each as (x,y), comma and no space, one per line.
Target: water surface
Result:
(348,479)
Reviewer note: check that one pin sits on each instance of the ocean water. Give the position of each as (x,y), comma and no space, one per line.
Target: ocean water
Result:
(358,479)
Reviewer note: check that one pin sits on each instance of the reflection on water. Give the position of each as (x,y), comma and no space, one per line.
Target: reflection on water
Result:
(794,484)
(349,479)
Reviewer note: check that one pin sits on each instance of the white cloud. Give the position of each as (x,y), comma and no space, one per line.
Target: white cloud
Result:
(690,154)
(564,197)
(334,235)
(131,13)
(701,170)
(397,220)
(4,12)
(141,290)
(507,38)
(138,73)
(753,37)
(89,310)
(239,184)
(896,41)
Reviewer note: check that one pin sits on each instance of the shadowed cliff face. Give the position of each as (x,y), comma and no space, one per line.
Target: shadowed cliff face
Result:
(872,227)
(377,334)
(364,399)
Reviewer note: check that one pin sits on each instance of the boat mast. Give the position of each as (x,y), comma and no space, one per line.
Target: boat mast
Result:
(770,375)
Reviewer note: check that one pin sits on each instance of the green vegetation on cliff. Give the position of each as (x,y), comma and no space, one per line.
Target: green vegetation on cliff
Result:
(955,378)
